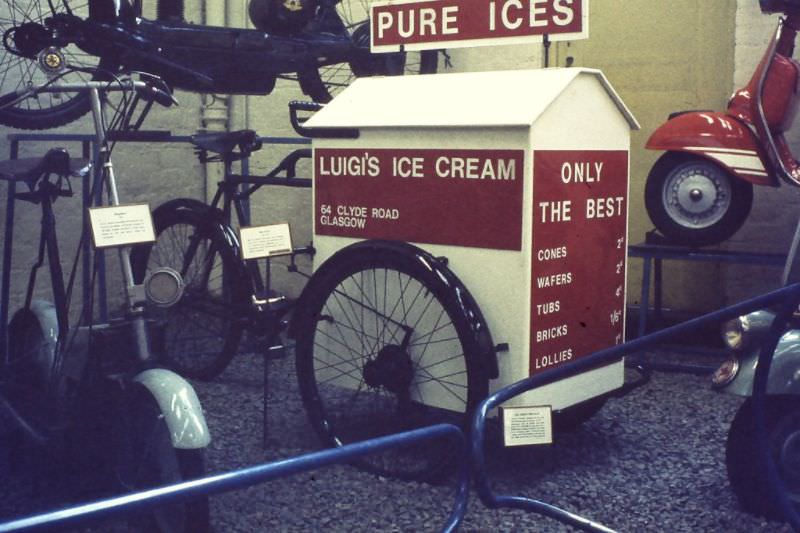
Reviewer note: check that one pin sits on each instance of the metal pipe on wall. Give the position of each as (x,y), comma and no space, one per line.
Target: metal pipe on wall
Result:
(214,110)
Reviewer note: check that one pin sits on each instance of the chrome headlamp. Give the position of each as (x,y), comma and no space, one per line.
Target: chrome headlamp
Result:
(741,332)
(163,287)
(735,332)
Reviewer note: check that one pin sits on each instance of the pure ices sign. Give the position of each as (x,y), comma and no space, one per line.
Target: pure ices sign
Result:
(430,24)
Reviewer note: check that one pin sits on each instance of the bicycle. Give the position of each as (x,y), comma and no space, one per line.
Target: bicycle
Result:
(100,385)
(380,328)
(322,44)
(224,296)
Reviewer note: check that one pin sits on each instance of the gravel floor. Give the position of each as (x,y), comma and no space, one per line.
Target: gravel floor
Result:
(652,461)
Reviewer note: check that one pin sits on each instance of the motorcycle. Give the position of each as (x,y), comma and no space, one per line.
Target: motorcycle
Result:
(700,191)
(94,392)
(322,44)
(762,452)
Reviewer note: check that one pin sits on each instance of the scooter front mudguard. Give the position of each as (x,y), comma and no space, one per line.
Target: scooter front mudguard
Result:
(44,314)
(180,406)
(717,137)
(784,371)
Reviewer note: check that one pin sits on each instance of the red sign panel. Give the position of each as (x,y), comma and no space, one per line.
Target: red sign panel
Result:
(419,24)
(579,250)
(455,197)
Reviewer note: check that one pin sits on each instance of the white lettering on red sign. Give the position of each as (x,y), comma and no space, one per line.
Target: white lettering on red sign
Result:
(578,271)
(429,24)
(400,194)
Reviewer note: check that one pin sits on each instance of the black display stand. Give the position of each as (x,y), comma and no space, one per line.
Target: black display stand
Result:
(654,255)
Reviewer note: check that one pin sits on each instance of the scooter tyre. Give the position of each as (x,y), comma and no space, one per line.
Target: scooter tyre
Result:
(660,177)
(746,475)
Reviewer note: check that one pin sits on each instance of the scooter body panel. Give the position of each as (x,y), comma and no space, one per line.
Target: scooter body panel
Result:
(718,137)
(179,404)
(45,314)
(784,371)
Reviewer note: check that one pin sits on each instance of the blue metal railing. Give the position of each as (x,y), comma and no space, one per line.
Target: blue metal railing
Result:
(238,479)
(786,299)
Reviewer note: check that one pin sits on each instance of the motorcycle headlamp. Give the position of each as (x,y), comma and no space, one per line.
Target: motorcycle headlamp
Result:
(735,332)
(726,373)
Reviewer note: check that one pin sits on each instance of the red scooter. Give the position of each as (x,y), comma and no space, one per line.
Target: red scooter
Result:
(701,190)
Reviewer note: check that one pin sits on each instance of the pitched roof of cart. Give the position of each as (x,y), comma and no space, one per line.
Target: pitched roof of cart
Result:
(469,99)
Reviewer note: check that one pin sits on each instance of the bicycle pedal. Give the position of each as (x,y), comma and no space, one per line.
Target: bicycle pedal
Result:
(278,351)
(270,301)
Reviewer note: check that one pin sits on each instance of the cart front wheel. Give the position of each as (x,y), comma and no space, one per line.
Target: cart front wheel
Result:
(384,346)
(747,476)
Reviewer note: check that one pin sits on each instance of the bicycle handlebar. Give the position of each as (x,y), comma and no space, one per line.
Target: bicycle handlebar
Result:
(317,133)
(152,88)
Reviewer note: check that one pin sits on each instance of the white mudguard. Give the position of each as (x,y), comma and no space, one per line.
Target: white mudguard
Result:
(179,404)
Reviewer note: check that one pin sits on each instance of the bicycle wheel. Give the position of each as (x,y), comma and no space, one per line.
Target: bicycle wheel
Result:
(383,347)
(146,459)
(326,82)
(46,110)
(202,330)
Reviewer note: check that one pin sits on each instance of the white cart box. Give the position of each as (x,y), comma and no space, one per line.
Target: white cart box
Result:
(519,178)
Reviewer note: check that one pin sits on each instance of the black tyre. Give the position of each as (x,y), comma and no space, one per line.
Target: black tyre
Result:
(146,459)
(203,329)
(383,346)
(47,110)
(25,376)
(745,473)
(573,417)
(695,202)
(326,82)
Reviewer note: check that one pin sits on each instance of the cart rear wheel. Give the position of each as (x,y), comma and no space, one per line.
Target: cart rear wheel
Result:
(745,473)
(384,347)
(572,417)
(326,82)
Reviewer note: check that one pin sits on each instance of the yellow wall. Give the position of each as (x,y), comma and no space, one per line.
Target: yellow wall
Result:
(661,57)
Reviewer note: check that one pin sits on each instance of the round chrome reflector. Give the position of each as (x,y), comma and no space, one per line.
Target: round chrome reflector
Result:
(725,373)
(163,287)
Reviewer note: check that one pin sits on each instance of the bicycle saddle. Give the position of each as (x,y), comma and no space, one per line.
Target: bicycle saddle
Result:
(225,142)
(55,161)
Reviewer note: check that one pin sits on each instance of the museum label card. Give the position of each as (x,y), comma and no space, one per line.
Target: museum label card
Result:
(121,225)
(265,241)
(524,426)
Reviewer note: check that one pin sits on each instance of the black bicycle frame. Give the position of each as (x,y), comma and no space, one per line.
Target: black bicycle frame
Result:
(197,57)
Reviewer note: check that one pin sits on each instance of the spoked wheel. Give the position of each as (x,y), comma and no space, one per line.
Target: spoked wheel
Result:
(383,347)
(326,82)
(747,476)
(204,327)
(20,65)
(692,201)
(146,459)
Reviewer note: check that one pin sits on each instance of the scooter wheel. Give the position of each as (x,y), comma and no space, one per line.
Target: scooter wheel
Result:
(692,201)
(746,474)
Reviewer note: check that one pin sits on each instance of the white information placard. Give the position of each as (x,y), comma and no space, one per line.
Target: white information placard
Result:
(524,426)
(259,242)
(121,225)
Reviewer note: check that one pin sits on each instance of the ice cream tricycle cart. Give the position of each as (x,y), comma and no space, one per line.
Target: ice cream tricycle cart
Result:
(470,231)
